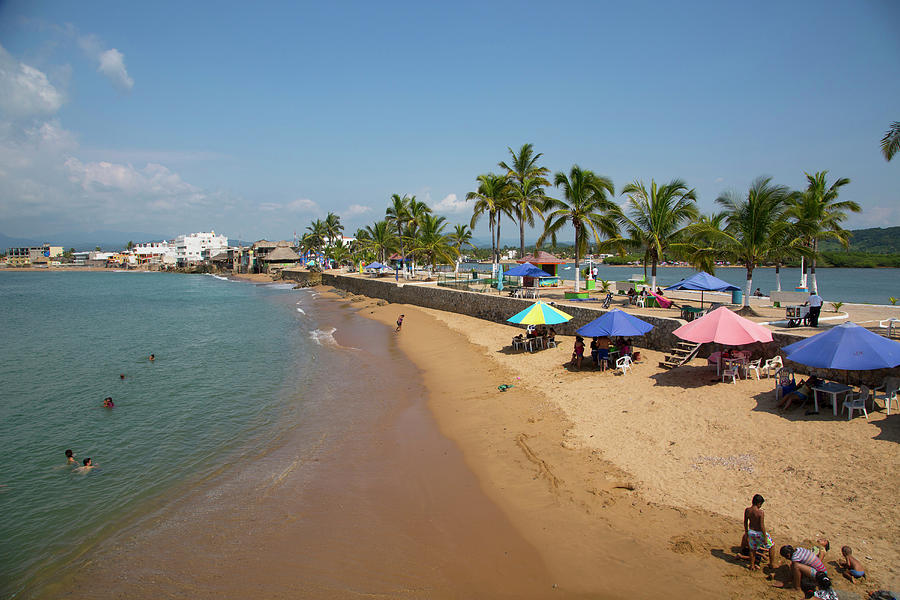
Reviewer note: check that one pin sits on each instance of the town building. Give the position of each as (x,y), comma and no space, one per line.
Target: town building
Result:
(194,248)
(25,256)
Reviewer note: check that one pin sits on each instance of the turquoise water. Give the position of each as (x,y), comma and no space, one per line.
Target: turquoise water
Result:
(865,286)
(230,359)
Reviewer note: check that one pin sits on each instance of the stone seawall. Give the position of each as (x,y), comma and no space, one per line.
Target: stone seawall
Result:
(498,308)
(303,278)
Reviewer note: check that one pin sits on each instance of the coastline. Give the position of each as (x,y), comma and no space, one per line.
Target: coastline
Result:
(590,465)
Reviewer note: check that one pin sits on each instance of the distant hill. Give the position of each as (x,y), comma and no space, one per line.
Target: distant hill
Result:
(877,240)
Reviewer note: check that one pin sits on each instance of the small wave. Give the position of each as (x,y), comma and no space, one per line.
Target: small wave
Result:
(301,311)
(322,337)
(218,277)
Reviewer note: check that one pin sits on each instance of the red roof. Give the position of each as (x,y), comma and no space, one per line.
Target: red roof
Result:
(542,258)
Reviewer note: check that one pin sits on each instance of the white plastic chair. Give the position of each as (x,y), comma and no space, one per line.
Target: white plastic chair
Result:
(753,365)
(624,364)
(640,301)
(551,343)
(857,403)
(772,365)
(731,372)
(891,386)
(783,377)
(518,343)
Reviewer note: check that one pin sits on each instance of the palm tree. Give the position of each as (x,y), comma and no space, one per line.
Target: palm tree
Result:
(658,216)
(379,239)
(397,216)
(334,229)
(459,237)
(418,211)
(317,231)
(492,197)
(819,215)
(527,182)
(890,143)
(586,207)
(700,242)
(338,252)
(756,225)
(431,243)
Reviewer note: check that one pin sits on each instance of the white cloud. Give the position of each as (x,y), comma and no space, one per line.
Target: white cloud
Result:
(719,179)
(300,205)
(450,204)
(110,62)
(26,91)
(355,210)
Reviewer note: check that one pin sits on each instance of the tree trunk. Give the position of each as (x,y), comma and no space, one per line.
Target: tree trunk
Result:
(778,276)
(521,235)
(498,240)
(653,276)
(749,286)
(812,268)
(402,251)
(577,256)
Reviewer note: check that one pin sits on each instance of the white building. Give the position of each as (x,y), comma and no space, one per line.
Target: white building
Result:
(154,252)
(195,247)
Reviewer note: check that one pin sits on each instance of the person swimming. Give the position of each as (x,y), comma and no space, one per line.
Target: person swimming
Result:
(152,357)
(108,402)
(122,376)
(87,465)
(70,458)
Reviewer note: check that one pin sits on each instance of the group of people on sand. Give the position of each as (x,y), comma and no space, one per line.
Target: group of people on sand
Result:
(600,346)
(808,571)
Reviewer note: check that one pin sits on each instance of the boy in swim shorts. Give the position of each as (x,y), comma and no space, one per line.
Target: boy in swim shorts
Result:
(755,535)
(853,569)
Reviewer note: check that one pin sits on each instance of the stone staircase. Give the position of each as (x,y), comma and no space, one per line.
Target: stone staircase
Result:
(681,354)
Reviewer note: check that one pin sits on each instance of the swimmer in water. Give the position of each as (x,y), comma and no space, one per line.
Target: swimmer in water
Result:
(108,402)
(152,357)
(122,376)
(70,458)
(88,464)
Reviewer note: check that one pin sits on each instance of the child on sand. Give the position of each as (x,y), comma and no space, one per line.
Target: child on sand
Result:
(804,563)
(577,353)
(853,569)
(400,322)
(756,538)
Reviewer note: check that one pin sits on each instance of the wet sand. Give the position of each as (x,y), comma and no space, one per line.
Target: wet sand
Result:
(364,498)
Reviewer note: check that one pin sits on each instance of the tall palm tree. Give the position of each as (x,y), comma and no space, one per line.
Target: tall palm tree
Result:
(459,237)
(491,197)
(756,225)
(418,212)
(658,216)
(397,216)
(890,143)
(585,206)
(333,227)
(699,243)
(315,236)
(819,215)
(527,182)
(431,243)
(379,239)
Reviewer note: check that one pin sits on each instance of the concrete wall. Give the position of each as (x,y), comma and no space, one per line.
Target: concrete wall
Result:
(303,278)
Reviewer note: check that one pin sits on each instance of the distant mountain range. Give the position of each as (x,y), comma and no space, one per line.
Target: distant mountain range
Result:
(877,240)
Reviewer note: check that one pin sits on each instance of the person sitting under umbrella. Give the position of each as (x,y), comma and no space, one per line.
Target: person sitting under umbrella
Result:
(802,393)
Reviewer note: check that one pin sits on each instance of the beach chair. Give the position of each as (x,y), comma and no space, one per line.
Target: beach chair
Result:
(755,366)
(857,403)
(732,372)
(624,364)
(784,378)
(890,388)
(772,365)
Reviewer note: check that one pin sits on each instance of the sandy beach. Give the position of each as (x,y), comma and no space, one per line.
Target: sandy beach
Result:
(609,474)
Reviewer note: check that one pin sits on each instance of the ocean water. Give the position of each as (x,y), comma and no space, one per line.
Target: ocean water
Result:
(864,286)
(227,381)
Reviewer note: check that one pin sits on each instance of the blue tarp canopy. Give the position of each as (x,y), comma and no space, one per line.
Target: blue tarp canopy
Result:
(703,282)
(527,270)
(847,346)
(615,322)
(376,265)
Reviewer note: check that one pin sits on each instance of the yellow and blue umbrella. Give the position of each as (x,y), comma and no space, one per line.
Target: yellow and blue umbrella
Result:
(540,313)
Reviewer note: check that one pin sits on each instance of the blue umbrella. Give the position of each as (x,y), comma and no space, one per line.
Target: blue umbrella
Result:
(527,270)
(703,282)
(847,346)
(376,265)
(615,322)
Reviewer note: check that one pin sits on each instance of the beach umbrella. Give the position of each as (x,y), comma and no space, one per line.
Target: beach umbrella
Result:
(376,265)
(847,346)
(615,322)
(527,270)
(723,327)
(540,313)
(703,282)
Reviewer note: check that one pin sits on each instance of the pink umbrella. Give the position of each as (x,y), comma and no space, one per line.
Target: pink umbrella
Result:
(723,327)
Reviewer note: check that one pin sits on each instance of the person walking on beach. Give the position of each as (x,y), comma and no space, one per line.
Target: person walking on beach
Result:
(756,538)
(400,322)
(815,307)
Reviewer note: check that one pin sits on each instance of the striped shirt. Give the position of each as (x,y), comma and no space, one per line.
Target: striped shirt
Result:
(806,557)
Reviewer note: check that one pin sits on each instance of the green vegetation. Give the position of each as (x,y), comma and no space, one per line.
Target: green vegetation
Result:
(876,240)
(890,143)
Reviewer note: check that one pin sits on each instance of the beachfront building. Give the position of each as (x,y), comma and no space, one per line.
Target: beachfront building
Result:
(547,262)
(196,247)
(279,259)
(25,256)
(154,253)
(259,252)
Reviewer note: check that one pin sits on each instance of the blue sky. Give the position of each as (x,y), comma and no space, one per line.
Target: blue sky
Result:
(255,118)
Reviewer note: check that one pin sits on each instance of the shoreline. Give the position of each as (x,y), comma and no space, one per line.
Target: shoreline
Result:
(658,469)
